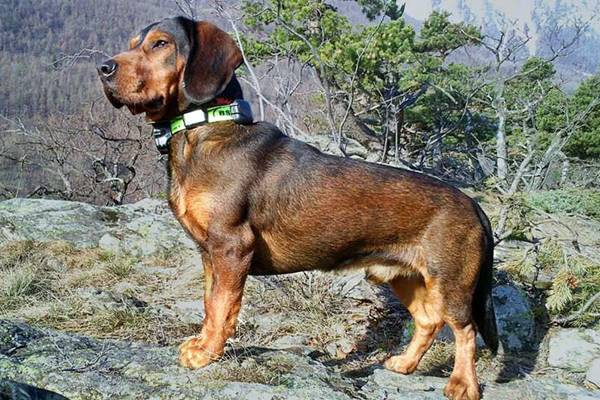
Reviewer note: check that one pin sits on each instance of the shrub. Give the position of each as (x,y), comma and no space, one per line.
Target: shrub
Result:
(571,201)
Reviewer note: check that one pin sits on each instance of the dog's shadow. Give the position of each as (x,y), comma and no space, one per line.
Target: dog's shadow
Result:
(390,332)
(384,335)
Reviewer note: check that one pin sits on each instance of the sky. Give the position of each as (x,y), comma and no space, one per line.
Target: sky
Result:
(420,9)
(513,9)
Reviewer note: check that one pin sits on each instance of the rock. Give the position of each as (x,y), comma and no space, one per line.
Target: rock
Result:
(109,243)
(264,323)
(191,312)
(144,228)
(169,283)
(14,390)
(76,366)
(593,373)
(573,349)
(340,348)
(514,318)
(43,220)
(103,300)
(289,341)
(331,349)
(352,148)
(355,149)
(354,286)
(383,384)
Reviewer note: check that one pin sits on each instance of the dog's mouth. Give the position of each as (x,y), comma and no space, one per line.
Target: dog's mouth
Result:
(135,105)
(153,105)
(111,96)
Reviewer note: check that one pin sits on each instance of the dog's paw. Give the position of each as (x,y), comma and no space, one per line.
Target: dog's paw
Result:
(193,354)
(401,364)
(459,388)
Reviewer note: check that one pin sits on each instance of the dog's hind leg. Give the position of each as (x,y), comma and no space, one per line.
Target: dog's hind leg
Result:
(424,306)
(463,383)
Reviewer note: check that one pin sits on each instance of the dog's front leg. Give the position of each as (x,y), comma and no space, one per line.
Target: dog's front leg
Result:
(227,265)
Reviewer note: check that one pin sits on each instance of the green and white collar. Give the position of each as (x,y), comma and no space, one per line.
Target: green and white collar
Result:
(239,111)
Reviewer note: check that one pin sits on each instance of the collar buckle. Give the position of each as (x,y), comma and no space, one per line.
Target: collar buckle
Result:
(162,134)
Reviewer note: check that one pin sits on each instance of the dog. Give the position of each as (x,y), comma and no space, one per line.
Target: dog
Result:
(259,202)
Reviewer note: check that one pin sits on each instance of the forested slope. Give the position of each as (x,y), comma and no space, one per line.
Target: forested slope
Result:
(39,76)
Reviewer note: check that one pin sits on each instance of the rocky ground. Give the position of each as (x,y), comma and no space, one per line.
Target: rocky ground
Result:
(94,300)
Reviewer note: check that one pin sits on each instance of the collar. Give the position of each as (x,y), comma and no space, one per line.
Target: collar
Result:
(239,111)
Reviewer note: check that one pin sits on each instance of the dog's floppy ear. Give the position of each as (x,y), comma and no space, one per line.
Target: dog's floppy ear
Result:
(212,59)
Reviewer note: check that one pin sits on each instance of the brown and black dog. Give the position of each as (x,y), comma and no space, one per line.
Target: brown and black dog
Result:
(259,202)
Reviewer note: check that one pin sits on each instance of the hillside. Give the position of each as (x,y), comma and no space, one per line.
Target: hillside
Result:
(38,35)
(99,283)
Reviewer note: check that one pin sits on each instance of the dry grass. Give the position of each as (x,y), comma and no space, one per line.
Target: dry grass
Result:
(20,283)
(24,273)
(240,369)
(166,257)
(45,283)
(439,359)
(119,266)
(15,253)
(73,314)
(306,306)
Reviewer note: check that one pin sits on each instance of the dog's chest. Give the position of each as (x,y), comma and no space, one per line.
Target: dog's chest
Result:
(192,206)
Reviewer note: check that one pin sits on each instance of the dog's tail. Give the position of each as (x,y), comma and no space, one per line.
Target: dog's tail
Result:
(483,305)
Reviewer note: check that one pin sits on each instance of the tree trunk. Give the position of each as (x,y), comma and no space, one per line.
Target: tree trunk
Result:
(501,152)
(564,173)
(436,149)
(474,151)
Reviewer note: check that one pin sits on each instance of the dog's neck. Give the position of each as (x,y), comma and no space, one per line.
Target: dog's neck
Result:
(227,106)
(232,92)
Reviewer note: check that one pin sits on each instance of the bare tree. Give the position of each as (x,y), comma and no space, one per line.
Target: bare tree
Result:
(508,50)
(533,166)
(99,156)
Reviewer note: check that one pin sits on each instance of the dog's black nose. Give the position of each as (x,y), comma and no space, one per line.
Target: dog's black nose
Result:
(107,68)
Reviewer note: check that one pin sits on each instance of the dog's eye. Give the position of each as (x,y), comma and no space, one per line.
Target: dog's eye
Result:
(159,44)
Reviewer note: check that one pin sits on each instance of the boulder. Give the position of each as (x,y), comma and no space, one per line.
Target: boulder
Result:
(354,286)
(573,349)
(143,229)
(514,317)
(76,367)
(56,364)
(593,373)
(14,390)
(516,325)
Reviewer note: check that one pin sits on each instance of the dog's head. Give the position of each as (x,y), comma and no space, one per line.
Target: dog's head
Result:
(171,64)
